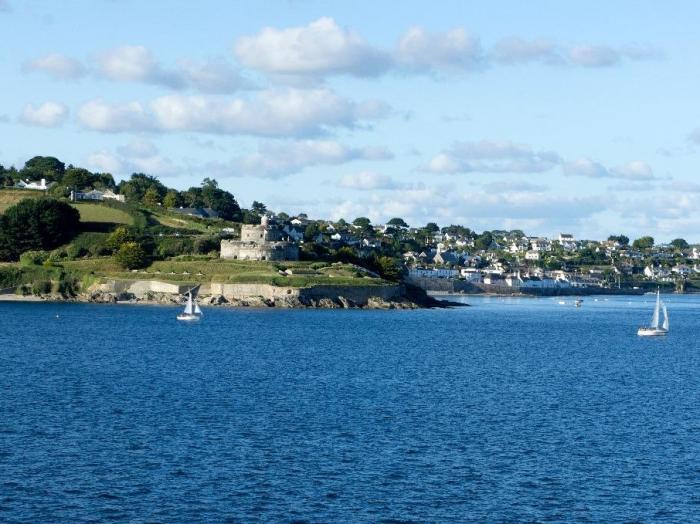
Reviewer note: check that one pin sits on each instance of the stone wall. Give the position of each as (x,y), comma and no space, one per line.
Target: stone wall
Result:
(243,250)
(140,288)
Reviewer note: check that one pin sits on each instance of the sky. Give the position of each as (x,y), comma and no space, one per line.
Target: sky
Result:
(546,116)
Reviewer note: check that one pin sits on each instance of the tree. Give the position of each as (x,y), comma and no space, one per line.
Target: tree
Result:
(432,227)
(31,224)
(131,256)
(171,199)
(484,241)
(387,268)
(680,243)
(361,222)
(645,242)
(621,239)
(135,188)
(151,197)
(363,225)
(398,222)
(258,207)
(219,200)
(311,231)
(48,167)
(119,236)
(77,177)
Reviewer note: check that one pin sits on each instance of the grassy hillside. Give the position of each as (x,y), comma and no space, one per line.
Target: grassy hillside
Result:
(102,214)
(234,271)
(9,197)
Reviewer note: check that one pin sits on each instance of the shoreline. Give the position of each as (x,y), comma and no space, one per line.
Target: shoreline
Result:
(375,303)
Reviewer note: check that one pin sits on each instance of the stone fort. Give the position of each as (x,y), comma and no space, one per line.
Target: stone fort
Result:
(260,242)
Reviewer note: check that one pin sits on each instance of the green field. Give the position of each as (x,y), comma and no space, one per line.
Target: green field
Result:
(9,197)
(235,271)
(102,214)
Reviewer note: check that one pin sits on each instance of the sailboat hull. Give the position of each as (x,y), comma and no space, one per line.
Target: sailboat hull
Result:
(651,332)
(186,317)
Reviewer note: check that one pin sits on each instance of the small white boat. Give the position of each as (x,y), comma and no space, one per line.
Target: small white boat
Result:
(578,302)
(654,330)
(192,313)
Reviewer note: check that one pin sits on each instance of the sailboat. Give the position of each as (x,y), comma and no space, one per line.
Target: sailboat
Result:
(654,330)
(192,311)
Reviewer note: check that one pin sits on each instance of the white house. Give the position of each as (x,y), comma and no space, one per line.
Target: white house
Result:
(96,195)
(37,186)
(432,273)
(470,274)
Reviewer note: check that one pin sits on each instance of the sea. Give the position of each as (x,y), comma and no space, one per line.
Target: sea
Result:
(509,410)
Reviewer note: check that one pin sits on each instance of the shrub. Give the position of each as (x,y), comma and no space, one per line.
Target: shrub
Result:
(41,287)
(118,237)
(203,245)
(131,256)
(173,246)
(33,258)
(36,223)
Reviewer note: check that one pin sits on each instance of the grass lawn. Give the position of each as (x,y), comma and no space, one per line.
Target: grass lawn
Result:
(103,214)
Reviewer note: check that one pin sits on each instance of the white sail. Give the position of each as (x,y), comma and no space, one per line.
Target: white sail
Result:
(665,326)
(188,308)
(655,318)
(197,311)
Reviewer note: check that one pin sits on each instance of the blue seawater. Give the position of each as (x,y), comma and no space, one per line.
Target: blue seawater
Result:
(509,410)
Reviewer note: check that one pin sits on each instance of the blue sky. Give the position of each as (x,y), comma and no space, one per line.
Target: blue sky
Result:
(547,116)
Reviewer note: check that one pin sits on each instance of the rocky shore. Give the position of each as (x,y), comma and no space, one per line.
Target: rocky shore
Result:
(292,302)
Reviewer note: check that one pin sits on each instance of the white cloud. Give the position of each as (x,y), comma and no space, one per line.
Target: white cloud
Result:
(48,114)
(320,48)
(585,167)
(513,186)
(492,156)
(135,63)
(368,180)
(291,112)
(137,156)
(516,50)
(635,170)
(211,77)
(138,149)
(105,162)
(101,116)
(594,56)
(56,65)
(275,160)
(323,48)
(455,50)
(489,210)
(694,136)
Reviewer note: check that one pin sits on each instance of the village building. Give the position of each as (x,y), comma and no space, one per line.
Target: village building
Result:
(41,185)
(266,241)
(95,195)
